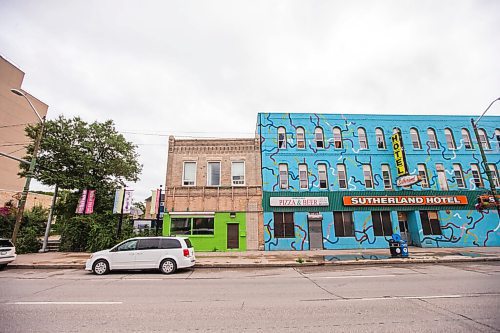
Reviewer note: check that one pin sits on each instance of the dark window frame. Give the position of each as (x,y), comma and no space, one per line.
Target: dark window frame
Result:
(284,225)
(343,223)
(430,227)
(382,223)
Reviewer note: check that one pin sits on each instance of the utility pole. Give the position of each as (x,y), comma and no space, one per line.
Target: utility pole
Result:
(483,156)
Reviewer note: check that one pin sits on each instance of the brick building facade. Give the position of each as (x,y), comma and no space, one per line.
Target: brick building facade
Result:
(214,193)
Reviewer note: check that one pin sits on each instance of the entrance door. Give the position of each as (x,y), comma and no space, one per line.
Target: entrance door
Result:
(403,227)
(315,235)
(233,238)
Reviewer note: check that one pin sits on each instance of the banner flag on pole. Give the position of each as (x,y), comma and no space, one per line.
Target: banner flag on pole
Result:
(80,208)
(127,204)
(117,207)
(154,194)
(89,208)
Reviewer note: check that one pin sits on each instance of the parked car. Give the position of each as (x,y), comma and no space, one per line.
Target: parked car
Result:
(164,253)
(7,252)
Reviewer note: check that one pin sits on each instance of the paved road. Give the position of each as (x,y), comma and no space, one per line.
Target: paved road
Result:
(423,298)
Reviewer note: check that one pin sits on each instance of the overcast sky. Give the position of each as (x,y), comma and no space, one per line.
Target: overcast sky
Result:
(206,68)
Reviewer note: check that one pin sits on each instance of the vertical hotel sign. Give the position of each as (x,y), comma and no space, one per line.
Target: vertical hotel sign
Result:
(399,155)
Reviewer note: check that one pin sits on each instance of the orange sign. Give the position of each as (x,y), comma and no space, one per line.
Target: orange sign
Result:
(435,200)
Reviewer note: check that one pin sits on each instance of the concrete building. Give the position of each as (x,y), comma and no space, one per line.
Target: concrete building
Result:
(333,181)
(213,193)
(15,115)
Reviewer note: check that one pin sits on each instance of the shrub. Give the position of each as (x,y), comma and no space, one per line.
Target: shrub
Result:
(27,241)
(75,234)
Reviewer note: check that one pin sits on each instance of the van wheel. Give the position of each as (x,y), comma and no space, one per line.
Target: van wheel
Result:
(168,266)
(100,267)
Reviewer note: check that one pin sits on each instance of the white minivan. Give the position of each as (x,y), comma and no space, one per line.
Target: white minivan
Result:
(164,253)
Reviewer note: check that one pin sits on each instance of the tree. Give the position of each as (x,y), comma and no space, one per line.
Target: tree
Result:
(75,155)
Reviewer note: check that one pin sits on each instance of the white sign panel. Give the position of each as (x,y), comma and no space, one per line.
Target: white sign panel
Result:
(298,201)
(408,180)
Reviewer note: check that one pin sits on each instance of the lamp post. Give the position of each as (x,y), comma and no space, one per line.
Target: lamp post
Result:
(22,201)
(483,155)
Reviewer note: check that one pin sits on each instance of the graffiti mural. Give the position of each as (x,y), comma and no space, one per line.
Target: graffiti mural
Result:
(323,154)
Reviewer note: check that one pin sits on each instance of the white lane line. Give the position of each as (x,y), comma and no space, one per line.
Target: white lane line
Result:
(354,276)
(65,303)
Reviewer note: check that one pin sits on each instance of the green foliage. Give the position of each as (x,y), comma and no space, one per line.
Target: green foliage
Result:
(75,155)
(28,241)
(75,234)
(102,232)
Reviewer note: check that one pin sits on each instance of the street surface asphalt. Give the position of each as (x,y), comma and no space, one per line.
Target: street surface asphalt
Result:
(461,297)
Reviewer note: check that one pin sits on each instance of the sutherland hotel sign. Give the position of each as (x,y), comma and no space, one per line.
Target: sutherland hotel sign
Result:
(405,200)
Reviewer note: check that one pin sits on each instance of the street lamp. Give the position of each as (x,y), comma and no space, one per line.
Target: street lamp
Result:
(483,156)
(22,201)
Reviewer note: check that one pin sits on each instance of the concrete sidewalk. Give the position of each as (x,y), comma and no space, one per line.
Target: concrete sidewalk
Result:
(256,259)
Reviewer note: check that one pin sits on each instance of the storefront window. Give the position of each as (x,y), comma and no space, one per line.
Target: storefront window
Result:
(430,222)
(284,226)
(203,226)
(343,224)
(192,226)
(382,225)
(180,226)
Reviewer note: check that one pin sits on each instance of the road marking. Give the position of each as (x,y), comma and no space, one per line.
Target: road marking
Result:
(354,276)
(65,303)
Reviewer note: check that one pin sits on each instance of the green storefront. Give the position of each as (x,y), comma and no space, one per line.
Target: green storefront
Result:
(218,231)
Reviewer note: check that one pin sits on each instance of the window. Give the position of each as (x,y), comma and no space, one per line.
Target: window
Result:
(396,130)
(281,138)
(343,224)
(415,139)
(476,175)
(430,222)
(494,174)
(283,168)
(459,175)
(367,174)
(238,173)
(386,175)
(497,136)
(189,174)
(379,135)
(337,137)
(363,142)
(323,176)
(382,223)
(301,138)
(483,138)
(433,143)
(422,172)
(443,183)
(342,175)
(213,174)
(128,246)
(450,141)
(169,243)
(202,226)
(466,139)
(192,226)
(180,226)
(318,138)
(148,244)
(283,225)
(303,179)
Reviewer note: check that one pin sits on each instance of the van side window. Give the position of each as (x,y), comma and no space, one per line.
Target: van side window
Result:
(148,244)
(167,243)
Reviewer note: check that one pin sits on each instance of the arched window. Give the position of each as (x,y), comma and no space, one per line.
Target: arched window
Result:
(415,138)
(483,138)
(433,143)
(497,136)
(379,135)
(283,176)
(301,138)
(450,141)
(466,139)
(363,142)
(303,177)
(281,138)
(395,130)
(318,138)
(323,176)
(386,176)
(337,137)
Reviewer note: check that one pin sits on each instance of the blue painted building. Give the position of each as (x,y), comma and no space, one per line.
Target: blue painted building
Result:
(330,181)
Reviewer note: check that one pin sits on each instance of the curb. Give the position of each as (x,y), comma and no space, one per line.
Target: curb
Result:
(367,262)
